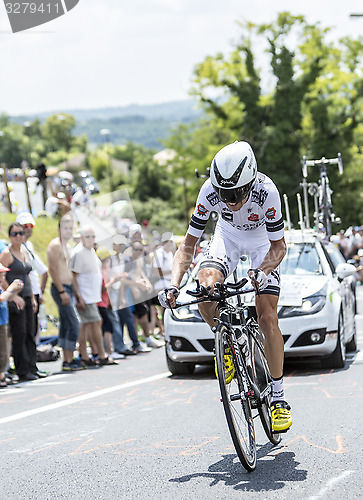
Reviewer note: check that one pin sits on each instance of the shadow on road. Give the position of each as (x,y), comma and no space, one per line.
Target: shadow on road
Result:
(270,474)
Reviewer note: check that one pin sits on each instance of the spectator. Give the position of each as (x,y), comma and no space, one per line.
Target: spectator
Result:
(86,268)
(39,268)
(343,244)
(163,262)
(57,205)
(355,242)
(22,322)
(162,265)
(42,176)
(135,235)
(139,289)
(80,198)
(7,294)
(111,329)
(62,290)
(116,292)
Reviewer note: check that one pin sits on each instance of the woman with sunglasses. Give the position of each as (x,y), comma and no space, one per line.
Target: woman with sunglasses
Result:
(21,321)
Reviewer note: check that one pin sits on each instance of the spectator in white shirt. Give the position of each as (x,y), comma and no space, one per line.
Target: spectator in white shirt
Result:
(86,268)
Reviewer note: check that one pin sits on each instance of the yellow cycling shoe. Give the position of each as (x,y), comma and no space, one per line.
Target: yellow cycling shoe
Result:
(229,370)
(281,416)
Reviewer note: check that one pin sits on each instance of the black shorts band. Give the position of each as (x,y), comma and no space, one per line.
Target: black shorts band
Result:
(214,264)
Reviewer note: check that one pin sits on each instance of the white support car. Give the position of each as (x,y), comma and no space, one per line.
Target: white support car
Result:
(316,309)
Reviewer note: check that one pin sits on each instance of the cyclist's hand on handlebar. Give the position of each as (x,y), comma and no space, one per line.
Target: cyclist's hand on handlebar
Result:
(258,279)
(167,297)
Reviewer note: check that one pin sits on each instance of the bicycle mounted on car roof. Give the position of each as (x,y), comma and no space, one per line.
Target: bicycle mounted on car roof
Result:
(322,192)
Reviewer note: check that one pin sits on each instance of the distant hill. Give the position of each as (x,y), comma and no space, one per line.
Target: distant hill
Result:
(142,124)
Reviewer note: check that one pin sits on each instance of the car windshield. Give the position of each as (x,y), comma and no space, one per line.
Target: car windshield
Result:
(301,258)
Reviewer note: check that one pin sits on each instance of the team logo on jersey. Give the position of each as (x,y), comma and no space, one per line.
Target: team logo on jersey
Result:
(227,215)
(213,199)
(253,217)
(259,197)
(202,210)
(270,213)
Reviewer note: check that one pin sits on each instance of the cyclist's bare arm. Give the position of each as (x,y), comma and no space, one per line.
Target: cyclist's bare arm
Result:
(182,259)
(274,256)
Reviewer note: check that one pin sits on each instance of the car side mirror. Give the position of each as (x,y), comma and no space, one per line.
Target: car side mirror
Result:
(344,270)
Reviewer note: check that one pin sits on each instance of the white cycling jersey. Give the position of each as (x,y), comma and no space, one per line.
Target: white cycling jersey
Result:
(258,221)
(247,231)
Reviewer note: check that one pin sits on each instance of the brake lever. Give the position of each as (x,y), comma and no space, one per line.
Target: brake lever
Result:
(258,293)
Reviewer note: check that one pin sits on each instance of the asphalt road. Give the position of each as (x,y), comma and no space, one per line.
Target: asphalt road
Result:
(133,431)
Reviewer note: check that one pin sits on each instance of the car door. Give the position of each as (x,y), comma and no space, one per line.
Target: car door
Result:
(345,289)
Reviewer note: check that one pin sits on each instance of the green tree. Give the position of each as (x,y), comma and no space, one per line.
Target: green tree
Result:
(13,146)
(150,179)
(57,131)
(313,106)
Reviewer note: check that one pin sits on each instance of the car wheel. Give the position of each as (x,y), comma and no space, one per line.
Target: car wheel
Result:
(179,368)
(352,344)
(337,358)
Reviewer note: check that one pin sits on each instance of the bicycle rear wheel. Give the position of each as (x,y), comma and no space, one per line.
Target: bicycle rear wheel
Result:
(236,408)
(263,381)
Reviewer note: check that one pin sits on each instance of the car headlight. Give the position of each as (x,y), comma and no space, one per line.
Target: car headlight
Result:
(310,305)
(185,313)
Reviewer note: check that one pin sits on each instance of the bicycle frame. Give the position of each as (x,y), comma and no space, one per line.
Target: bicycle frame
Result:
(324,192)
(225,317)
(238,374)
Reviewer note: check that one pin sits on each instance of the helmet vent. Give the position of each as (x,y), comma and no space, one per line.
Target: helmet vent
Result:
(233,180)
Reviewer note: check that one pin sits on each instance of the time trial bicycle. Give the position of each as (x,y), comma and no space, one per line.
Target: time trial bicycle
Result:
(244,378)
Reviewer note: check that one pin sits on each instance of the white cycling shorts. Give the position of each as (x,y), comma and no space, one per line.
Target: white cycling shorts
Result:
(224,253)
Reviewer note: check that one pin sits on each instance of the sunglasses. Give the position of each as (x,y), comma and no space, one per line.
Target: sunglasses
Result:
(137,249)
(15,233)
(90,236)
(28,226)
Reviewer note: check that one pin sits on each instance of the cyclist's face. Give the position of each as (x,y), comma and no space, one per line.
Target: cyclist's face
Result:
(237,206)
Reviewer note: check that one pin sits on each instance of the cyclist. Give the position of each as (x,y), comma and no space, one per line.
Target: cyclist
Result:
(250,223)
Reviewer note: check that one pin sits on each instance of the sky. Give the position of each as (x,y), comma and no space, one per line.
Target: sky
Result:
(110,53)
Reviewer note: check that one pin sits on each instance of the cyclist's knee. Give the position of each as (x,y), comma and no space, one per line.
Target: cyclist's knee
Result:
(209,275)
(267,319)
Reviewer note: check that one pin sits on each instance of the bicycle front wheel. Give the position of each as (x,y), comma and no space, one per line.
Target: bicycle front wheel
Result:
(237,407)
(262,377)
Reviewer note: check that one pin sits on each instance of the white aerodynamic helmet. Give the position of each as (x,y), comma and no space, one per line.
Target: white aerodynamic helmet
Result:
(233,172)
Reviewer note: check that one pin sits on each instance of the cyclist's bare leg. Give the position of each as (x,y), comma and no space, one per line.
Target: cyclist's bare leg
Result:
(207,277)
(266,307)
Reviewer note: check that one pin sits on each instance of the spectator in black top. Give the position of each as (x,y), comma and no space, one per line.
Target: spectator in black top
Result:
(42,176)
(22,322)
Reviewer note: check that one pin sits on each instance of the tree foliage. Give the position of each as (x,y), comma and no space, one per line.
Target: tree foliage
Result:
(306,100)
